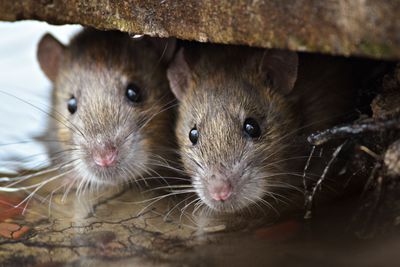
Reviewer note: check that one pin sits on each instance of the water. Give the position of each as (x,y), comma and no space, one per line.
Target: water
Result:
(121,228)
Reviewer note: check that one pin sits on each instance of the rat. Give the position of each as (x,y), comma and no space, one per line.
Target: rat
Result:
(112,108)
(244,116)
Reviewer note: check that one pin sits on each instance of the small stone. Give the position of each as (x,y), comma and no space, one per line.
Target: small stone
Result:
(12,230)
(392,158)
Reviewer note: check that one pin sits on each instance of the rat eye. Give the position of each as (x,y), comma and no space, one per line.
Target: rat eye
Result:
(251,128)
(194,135)
(133,93)
(72,105)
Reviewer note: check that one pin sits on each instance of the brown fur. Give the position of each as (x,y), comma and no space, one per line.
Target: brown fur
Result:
(95,68)
(222,86)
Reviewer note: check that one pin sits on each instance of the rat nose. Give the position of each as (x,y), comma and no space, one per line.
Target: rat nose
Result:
(105,158)
(220,190)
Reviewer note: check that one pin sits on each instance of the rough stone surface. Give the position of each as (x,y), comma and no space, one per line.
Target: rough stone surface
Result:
(347,27)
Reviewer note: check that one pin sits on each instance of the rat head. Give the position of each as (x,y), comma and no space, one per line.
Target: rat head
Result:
(111,104)
(234,120)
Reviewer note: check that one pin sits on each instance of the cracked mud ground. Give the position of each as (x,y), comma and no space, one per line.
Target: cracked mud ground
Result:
(122,229)
(117,228)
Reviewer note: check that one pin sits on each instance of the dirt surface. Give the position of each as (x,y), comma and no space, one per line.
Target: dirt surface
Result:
(121,231)
(120,228)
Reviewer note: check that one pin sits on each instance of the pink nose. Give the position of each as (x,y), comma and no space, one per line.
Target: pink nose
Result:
(220,191)
(106,158)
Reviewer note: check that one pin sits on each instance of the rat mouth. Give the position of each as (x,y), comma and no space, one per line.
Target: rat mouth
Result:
(103,170)
(234,194)
(225,206)
(100,172)
(105,175)
(111,163)
(106,157)
(225,202)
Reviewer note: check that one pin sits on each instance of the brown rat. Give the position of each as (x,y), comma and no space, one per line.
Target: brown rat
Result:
(244,116)
(111,106)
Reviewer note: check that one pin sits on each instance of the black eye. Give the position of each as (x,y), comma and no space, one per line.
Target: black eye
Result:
(72,105)
(194,135)
(251,128)
(133,93)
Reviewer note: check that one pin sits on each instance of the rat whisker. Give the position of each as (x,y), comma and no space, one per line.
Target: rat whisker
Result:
(37,188)
(38,108)
(175,206)
(187,206)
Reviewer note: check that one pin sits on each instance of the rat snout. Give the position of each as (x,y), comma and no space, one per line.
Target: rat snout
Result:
(219,189)
(105,157)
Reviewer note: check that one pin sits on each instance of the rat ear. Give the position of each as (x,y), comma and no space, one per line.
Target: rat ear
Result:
(49,54)
(281,68)
(179,75)
(165,47)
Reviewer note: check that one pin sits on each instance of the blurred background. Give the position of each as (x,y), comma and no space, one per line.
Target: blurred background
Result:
(21,79)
